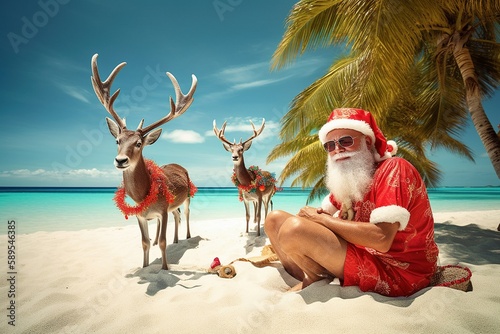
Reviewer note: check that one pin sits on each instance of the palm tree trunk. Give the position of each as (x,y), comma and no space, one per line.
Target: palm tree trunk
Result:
(487,134)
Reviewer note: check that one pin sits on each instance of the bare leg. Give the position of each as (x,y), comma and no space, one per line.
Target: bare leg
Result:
(308,251)
(272,226)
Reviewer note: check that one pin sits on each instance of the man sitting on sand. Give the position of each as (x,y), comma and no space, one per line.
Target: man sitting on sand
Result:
(375,230)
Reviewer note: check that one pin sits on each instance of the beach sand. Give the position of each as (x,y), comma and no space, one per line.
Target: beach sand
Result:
(91,281)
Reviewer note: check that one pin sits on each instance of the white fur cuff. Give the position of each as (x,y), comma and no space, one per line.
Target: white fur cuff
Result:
(327,206)
(391,214)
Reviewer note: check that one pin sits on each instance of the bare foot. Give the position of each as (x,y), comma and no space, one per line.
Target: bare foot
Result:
(306,282)
(296,288)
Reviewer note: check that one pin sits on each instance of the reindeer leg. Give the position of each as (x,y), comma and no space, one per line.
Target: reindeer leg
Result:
(163,240)
(247,212)
(157,232)
(143,225)
(255,206)
(258,209)
(266,205)
(177,219)
(186,213)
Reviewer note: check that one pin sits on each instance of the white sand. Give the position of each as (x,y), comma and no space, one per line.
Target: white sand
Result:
(91,282)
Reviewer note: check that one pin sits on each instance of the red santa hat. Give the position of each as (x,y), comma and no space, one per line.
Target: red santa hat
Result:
(361,121)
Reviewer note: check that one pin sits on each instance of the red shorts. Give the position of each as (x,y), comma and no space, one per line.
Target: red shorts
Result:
(371,273)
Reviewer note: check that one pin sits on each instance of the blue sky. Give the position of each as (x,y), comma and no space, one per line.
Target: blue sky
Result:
(53,131)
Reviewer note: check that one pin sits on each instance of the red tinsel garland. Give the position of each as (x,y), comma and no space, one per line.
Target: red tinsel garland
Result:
(260,181)
(158,184)
(192,189)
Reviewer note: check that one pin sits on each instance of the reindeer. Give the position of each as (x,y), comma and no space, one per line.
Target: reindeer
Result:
(254,185)
(156,190)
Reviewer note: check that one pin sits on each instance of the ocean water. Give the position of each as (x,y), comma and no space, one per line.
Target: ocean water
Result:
(69,209)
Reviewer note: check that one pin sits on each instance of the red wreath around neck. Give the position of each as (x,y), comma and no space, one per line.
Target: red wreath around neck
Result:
(260,181)
(158,185)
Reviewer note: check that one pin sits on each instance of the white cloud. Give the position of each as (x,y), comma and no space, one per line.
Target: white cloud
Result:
(248,76)
(60,63)
(258,74)
(74,92)
(62,72)
(238,74)
(257,83)
(184,137)
(92,172)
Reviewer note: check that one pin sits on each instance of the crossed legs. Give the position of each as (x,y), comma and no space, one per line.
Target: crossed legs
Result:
(308,251)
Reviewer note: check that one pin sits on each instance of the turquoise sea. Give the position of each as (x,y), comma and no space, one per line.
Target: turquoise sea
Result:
(69,209)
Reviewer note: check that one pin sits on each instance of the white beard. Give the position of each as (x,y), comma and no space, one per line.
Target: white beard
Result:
(349,180)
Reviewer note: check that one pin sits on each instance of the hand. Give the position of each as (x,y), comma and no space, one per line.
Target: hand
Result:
(310,213)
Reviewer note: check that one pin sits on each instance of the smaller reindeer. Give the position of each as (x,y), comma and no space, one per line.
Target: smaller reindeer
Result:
(254,185)
(156,190)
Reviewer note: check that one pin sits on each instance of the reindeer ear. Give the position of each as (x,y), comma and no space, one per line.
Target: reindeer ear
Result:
(247,145)
(152,137)
(227,147)
(113,127)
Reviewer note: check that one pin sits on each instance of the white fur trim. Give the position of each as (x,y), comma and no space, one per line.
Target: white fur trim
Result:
(391,214)
(327,206)
(379,158)
(345,123)
(394,146)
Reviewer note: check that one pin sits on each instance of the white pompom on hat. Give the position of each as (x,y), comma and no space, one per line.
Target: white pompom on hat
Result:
(361,121)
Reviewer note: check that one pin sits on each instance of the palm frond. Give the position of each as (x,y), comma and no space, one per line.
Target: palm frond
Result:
(310,24)
(399,65)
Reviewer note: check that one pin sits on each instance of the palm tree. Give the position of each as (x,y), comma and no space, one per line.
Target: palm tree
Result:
(399,67)
(467,50)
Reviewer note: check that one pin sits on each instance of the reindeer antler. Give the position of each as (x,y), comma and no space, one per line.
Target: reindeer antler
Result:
(102,89)
(220,133)
(182,103)
(256,133)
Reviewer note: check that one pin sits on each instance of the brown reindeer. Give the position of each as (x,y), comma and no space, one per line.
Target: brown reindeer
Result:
(254,185)
(156,190)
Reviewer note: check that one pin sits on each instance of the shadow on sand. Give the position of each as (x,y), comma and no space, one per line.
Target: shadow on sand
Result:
(158,279)
(470,243)
(255,241)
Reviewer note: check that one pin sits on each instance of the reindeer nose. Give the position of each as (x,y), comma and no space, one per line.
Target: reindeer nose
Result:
(235,158)
(120,162)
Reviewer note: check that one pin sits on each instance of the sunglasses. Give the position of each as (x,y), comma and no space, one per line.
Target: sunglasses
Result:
(343,142)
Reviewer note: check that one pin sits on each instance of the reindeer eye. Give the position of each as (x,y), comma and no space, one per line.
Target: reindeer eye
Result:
(117,142)
(138,144)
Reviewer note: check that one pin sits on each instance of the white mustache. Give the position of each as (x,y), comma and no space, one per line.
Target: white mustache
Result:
(343,155)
